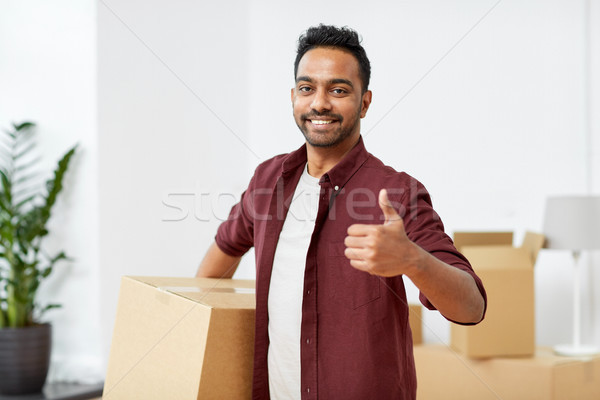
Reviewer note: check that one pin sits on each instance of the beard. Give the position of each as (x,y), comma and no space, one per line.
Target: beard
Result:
(328,139)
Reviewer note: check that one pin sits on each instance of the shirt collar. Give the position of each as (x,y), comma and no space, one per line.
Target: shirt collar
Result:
(294,160)
(343,170)
(340,173)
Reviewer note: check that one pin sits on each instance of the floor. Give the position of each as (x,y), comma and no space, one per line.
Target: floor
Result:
(62,391)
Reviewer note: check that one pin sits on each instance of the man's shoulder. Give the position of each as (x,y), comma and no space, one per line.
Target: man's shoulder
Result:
(268,171)
(272,164)
(374,167)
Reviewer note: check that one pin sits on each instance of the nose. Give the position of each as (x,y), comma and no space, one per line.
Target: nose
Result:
(320,101)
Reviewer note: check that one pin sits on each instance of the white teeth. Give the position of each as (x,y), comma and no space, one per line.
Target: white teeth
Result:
(320,122)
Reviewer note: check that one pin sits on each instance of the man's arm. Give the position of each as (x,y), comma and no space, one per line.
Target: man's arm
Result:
(452,291)
(385,250)
(217,264)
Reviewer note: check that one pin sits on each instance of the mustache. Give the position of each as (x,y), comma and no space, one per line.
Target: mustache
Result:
(314,115)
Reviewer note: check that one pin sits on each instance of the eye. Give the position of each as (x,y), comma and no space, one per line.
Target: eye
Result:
(339,91)
(304,89)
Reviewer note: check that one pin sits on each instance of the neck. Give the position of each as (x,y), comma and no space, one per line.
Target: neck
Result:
(322,159)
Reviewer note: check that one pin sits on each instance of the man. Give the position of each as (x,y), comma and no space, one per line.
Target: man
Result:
(334,231)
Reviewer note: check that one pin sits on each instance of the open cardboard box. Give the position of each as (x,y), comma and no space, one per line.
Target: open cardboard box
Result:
(445,374)
(507,274)
(182,338)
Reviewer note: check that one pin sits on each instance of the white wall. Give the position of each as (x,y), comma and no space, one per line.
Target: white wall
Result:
(482,101)
(172,126)
(594,154)
(48,75)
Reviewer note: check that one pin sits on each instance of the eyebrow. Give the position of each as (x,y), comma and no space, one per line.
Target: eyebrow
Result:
(331,81)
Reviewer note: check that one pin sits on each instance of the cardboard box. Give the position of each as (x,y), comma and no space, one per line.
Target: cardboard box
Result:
(415,320)
(507,274)
(445,374)
(182,338)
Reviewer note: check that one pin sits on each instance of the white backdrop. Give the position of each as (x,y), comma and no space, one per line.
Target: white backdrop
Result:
(48,75)
(175,103)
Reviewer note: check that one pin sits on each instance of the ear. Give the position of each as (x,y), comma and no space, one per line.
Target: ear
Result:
(293,92)
(365,103)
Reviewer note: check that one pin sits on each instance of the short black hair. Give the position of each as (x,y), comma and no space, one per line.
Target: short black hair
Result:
(342,38)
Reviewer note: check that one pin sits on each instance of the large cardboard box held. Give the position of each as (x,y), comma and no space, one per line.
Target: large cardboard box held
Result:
(445,374)
(507,274)
(182,338)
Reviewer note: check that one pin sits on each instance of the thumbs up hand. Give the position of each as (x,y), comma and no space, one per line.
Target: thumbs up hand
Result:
(383,250)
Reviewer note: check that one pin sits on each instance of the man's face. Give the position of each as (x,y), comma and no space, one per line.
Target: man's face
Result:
(327,99)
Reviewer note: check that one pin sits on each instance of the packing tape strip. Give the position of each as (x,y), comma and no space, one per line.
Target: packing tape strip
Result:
(193,289)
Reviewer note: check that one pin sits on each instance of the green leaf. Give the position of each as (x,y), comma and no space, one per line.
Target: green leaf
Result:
(5,179)
(47,308)
(26,200)
(30,164)
(25,151)
(6,186)
(5,152)
(24,192)
(48,270)
(7,234)
(4,206)
(23,126)
(11,134)
(55,185)
(58,257)
(6,141)
(23,222)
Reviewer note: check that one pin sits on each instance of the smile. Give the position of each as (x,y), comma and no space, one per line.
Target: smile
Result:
(320,122)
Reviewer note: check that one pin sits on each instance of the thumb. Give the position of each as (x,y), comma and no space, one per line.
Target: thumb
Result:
(389,211)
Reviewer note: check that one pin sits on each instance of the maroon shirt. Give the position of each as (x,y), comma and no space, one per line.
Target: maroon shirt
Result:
(356,342)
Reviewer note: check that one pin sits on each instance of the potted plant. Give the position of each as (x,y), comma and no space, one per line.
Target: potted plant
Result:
(24,213)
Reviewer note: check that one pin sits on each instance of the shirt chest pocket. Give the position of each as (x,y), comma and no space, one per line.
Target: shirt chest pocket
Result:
(345,284)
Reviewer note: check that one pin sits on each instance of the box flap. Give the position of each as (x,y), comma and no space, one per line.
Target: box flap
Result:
(533,243)
(215,293)
(482,238)
(162,281)
(505,257)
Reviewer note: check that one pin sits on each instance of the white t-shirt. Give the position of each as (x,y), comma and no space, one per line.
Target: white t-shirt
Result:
(286,289)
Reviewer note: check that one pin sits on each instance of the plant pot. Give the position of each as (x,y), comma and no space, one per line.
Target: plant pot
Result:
(24,358)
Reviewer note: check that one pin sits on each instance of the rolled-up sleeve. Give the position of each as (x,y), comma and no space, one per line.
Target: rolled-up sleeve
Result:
(425,228)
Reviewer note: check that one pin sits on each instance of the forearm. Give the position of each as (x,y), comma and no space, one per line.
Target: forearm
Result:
(451,290)
(217,264)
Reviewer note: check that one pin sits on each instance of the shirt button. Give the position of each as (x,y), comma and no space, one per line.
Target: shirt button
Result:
(307,341)
(336,188)
(308,291)
(307,390)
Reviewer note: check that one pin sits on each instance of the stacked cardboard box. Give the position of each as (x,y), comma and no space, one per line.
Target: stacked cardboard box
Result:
(498,359)
(415,320)
(445,374)
(507,274)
